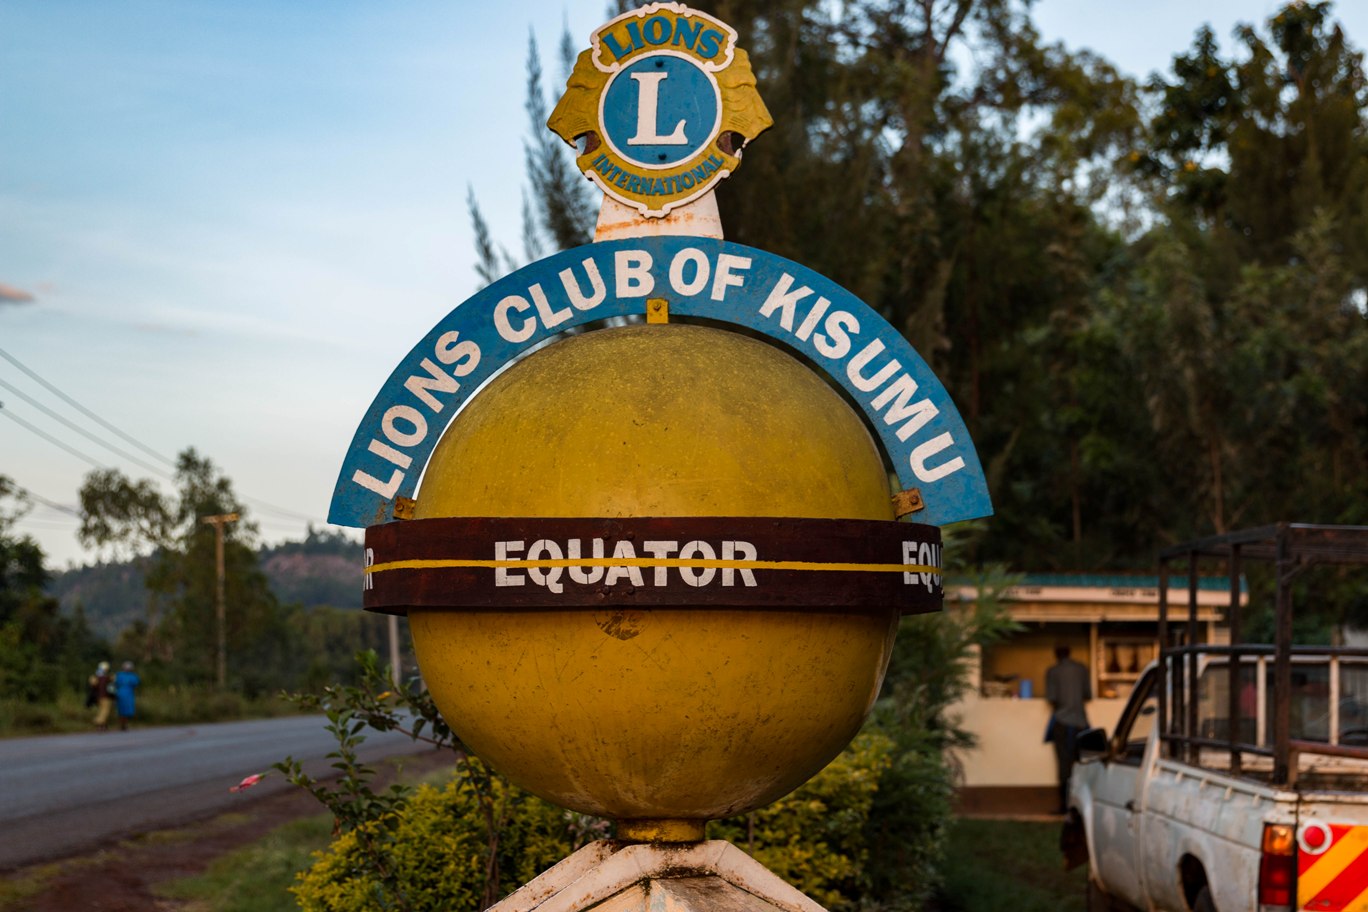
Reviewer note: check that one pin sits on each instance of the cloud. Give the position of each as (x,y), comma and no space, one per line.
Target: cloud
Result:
(163,329)
(11,295)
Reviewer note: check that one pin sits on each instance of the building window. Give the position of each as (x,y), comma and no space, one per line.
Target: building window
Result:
(1016,667)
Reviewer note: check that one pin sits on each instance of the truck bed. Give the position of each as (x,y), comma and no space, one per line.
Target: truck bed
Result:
(1316,772)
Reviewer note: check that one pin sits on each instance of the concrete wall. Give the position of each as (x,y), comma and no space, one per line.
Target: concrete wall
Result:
(1011,749)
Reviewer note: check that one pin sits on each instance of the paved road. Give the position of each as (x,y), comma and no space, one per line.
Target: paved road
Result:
(61,794)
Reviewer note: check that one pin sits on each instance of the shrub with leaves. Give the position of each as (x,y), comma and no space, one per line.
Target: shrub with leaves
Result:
(373,823)
(815,837)
(435,852)
(913,807)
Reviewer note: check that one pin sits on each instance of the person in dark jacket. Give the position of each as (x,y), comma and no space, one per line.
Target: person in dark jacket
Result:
(101,695)
(1068,687)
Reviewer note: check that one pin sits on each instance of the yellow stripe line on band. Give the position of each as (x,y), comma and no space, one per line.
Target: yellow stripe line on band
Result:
(700,563)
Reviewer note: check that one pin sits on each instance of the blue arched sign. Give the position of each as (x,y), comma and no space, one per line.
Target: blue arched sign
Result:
(905,403)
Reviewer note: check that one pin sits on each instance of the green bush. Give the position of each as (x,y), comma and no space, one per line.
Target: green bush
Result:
(23,716)
(908,827)
(67,713)
(432,854)
(815,837)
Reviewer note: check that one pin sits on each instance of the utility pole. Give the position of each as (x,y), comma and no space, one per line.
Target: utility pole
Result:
(396,678)
(218,522)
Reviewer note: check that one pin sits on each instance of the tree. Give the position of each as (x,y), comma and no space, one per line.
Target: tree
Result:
(559,210)
(563,202)
(41,653)
(1245,316)
(977,209)
(179,555)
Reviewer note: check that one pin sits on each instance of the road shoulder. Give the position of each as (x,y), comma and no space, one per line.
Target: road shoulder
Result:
(122,877)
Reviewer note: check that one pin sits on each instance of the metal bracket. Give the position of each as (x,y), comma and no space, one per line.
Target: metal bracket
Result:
(404,507)
(905,503)
(657,310)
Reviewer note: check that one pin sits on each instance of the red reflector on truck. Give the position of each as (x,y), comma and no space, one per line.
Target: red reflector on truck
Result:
(1315,838)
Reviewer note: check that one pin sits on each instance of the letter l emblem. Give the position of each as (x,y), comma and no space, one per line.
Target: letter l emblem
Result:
(648,103)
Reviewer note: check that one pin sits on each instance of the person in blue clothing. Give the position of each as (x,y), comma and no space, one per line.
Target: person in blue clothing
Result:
(125,683)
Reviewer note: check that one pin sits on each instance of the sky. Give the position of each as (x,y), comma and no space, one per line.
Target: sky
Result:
(223,224)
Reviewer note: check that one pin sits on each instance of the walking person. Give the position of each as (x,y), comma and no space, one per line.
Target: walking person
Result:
(1068,688)
(101,695)
(125,683)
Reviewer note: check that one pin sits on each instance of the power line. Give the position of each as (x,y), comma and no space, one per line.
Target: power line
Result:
(85,411)
(267,519)
(83,432)
(51,504)
(57,525)
(287,532)
(72,513)
(49,438)
(261,504)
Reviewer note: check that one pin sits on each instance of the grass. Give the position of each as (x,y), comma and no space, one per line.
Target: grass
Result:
(255,878)
(1008,866)
(23,885)
(169,705)
(258,877)
(65,714)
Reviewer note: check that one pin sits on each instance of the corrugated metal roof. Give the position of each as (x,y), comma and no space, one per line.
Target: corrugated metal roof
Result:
(1127,581)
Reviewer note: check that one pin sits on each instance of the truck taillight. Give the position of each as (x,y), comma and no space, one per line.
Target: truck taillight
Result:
(1277,867)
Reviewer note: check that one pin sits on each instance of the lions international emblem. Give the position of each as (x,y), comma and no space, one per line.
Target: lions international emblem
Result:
(664,101)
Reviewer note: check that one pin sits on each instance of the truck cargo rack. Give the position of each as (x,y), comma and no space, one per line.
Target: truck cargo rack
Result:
(1291,548)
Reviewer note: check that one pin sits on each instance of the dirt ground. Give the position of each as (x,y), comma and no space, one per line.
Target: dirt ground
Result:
(121,878)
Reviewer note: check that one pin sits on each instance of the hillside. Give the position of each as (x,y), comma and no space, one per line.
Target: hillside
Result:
(112,595)
(322,570)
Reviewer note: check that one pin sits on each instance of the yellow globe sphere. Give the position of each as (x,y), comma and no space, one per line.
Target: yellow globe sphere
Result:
(661,718)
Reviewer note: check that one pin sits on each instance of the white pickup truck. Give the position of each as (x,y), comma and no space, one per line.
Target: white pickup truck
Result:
(1181,810)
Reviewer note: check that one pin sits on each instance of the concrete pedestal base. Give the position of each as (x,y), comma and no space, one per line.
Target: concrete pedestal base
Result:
(610,876)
